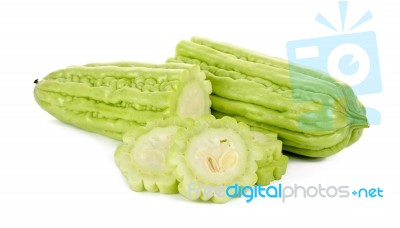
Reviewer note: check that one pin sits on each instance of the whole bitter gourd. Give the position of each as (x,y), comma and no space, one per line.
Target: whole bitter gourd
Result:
(313,114)
(110,100)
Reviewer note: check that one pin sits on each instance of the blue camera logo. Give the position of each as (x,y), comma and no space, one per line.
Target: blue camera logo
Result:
(351,58)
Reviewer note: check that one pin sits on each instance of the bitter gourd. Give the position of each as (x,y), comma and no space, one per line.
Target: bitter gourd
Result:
(110,100)
(217,154)
(273,164)
(313,114)
(197,156)
(144,156)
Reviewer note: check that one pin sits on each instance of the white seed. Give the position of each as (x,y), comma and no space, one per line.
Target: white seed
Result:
(228,160)
(212,164)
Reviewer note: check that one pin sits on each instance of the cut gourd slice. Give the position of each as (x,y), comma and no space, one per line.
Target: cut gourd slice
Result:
(143,158)
(200,157)
(217,154)
(272,171)
(273,164)
(272,147)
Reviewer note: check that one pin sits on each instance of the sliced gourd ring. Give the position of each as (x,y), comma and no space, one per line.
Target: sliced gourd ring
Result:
(272,147)
(272,171)
(273,164)
(218,153)
(143,158)
(199,158)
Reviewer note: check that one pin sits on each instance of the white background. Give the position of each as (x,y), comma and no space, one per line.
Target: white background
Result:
(54,175)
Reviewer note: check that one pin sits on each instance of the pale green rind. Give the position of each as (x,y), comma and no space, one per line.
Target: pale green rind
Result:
(107,110)
(299,104)
(294,70)
(272,171)
(194,70)
(259,115)
(271,147)
(301,144)
(147,65)
(131,96)
(355,135)
(89,121)
(255,90)
(111,99)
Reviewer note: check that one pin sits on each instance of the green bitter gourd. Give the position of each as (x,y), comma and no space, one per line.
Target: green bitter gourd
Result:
(110,100)
(194,156)
(312,113)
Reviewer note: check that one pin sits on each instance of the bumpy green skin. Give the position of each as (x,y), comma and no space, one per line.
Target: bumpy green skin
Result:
(272,147)
(272,171)
(111,99)
(313,114)
(273,164)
